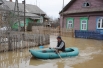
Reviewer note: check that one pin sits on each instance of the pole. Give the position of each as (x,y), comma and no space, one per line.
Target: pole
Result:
(24,17)
(36,2)
(62,20)
(40,13)
(62,15)
(18,15)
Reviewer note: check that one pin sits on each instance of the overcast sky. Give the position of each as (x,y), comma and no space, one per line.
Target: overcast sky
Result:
(50,7)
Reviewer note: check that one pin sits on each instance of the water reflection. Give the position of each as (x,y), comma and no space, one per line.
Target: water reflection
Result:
(60,65)
(14,59)
(37,61)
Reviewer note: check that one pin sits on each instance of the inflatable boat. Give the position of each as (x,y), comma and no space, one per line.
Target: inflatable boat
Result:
(51,54)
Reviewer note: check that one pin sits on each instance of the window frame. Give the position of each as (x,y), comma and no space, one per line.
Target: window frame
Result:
(84,19)
(101,23)
(86,4)
(82,28)
(67,23)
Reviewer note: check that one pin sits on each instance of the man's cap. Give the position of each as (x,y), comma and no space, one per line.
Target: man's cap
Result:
(58,37)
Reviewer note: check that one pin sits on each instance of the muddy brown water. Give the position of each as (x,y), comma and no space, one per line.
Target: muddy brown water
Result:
(90,56)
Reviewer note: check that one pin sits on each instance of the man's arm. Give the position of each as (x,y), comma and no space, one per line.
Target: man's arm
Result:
(61,45)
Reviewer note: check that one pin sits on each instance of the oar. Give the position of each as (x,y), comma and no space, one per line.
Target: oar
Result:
(58,54)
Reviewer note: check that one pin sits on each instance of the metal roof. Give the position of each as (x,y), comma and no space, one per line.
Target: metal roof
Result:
(29,8)
(34,9)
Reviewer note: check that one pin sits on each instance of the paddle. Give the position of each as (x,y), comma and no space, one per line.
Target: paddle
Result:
(58,54)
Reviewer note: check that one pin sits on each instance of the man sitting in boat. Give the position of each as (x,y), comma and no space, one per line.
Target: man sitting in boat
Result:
(60,45)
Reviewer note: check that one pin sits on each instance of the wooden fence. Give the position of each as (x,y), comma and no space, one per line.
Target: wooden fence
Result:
(53,31)
(18,40)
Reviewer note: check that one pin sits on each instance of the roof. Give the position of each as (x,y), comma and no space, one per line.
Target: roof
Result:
(84,10)
(46,16)
(67,6)
(99,9)
(11,6)
(29,14)
(29,8)
(34,9)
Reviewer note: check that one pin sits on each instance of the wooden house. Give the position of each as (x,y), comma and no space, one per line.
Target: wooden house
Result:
(32,14)
(83,15)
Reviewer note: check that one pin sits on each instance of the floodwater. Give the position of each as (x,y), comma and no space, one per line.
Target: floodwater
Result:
(90,56)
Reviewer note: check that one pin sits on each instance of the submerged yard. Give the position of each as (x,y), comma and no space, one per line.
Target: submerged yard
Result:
(91,56)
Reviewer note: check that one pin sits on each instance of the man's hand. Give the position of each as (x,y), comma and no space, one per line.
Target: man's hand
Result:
(52,47)
(49,47)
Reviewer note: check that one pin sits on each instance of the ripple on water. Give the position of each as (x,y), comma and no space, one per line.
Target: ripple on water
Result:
(85,55)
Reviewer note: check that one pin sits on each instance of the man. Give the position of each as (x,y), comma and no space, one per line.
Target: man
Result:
(60,45)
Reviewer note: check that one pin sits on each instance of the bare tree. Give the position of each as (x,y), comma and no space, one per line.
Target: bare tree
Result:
(55,23)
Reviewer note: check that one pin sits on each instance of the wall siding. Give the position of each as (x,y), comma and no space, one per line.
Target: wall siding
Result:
(77,5)
(76,23)
(91,23)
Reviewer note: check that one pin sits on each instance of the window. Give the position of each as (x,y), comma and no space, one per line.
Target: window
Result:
(69,23)
(41,19)
(84,23)
(86,4)
(100,23)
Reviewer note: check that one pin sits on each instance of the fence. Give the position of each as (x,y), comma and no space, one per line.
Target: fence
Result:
(19,40)
(88,34)
(53,31)
(14,40)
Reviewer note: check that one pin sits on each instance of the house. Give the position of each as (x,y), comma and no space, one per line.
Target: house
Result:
(32,13)
(86,15)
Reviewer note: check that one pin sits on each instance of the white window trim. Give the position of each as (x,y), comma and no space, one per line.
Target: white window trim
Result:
(100,24)
(83,23)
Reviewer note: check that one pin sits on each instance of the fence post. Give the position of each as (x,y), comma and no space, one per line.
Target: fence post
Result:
(9,42)
(59,31)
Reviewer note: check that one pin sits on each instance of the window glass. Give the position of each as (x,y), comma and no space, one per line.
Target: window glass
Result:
(70,21)
(86,4)
(84,25)
(100,23)
(70,24)
(83,21)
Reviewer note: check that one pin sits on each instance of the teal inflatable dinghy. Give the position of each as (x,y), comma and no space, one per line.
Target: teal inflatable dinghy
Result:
(50,53)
